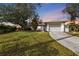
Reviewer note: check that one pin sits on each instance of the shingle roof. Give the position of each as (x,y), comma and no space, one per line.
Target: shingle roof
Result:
(54,20)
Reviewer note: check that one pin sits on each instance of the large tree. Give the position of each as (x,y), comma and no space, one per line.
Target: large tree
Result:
(72,10)
(18,13)
(26,11)
(8,12)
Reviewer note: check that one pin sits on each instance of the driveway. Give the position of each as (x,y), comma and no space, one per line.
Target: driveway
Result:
(69,41)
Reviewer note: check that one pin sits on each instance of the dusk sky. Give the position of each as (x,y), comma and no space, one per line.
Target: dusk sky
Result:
(52,11)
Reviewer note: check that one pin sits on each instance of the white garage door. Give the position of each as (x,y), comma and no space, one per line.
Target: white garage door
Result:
(55,27)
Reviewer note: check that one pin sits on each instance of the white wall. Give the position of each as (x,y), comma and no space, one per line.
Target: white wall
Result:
(40,28)
(48,27)
(55,26)
(62,27)
(66,28)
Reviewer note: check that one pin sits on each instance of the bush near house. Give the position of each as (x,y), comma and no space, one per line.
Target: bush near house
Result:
(6,29)
(27,29)
(73,27)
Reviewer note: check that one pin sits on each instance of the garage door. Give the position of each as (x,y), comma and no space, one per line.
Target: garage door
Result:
(55,27)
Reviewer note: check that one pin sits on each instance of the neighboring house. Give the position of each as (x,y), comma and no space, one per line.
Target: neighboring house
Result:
(11,24)
(41,26)
(7,23)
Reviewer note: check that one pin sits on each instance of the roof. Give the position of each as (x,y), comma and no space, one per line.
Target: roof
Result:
(69,22)
(10,24)
(54,20)
(41,23)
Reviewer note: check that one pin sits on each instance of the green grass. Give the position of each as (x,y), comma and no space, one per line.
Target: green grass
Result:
(74,33)
(31,44)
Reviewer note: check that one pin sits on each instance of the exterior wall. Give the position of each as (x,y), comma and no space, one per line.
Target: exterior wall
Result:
(66,28)
(41,28)
(57,26)
(48,27)
(62,27)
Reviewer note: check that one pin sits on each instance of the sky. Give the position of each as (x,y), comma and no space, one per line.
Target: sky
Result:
(52,11)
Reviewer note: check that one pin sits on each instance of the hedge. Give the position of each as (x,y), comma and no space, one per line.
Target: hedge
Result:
(7,29)
(73,27)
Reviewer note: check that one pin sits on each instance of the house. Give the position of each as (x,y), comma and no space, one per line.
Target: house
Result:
(18,27)
(58,25)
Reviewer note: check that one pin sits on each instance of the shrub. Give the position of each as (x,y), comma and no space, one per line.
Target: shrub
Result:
(73,27)
(27,29)
(6,29)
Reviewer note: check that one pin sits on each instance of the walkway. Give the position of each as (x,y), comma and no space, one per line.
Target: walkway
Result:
(69,41)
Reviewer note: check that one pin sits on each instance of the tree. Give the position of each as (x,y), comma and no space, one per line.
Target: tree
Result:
(72,10)
(35,23)
(26,11)
(7,12)
(19,12)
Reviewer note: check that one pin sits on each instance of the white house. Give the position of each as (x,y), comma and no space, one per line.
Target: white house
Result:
(56,26)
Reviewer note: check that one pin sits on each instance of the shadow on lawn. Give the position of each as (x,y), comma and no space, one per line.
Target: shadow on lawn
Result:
(21,48)
(64,37)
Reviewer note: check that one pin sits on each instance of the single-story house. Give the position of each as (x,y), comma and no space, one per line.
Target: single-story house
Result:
(58,25)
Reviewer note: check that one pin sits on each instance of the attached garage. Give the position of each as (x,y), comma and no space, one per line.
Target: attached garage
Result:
(57,26)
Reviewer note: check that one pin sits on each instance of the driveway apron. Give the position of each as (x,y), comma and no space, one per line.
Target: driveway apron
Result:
(68,41)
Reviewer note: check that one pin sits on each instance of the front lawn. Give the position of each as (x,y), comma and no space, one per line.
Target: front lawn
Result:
(74,33)
(32,44)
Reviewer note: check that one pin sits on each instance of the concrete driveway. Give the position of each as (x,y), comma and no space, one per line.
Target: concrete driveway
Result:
(69,41)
